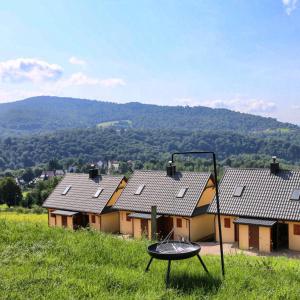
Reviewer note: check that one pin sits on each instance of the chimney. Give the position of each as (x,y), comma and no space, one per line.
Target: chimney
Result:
(274,166)
(93,172)
(171,169)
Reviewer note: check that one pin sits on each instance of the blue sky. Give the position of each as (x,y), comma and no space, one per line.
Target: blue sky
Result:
(242,55)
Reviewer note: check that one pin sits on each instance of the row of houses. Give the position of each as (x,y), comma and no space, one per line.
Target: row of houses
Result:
(260,208)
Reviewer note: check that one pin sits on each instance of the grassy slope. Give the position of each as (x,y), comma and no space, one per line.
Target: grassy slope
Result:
(39,262)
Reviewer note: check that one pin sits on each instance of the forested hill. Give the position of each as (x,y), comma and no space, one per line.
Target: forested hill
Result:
(44,113)
(91,145)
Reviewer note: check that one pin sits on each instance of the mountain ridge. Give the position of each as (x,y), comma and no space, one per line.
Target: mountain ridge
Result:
(48,113)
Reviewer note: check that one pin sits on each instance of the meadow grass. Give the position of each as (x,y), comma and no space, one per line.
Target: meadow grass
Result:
(37,262)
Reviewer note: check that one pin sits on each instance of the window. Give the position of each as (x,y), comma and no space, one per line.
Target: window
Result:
(295,194)
(139,189)
(98,192)
(179,222)
(128,219)
(296,229)
(181,193)
(238,191)
(93,219)
(227,222)
(66,190)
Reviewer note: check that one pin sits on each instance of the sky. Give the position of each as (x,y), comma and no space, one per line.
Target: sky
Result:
(237,54)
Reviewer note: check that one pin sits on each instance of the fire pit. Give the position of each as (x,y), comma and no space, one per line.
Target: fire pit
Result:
(174,250)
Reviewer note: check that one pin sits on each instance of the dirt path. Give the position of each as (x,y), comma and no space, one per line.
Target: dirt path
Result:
(211,248)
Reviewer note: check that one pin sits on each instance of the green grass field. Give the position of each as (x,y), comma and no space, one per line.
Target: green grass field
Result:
(37,262)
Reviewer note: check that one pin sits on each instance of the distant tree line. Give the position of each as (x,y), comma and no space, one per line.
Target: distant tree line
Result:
(11,193)
(144,147)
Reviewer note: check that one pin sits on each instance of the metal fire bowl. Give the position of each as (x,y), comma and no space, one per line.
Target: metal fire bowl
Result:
(179,250)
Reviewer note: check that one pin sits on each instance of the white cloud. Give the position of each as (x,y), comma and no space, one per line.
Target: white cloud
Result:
(111,82)
(82,79)
(29,69)
(289,5)
(186,102)
(247,106)
(237,104)
(77,61)
(296,106)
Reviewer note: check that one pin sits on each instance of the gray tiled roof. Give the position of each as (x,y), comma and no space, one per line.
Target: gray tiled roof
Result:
(265,195)
(259,222)
(80,196)
(161,190)
(201,210)
(64,212)
(142,216)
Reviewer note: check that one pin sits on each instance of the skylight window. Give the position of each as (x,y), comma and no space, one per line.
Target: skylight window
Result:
(98,192)
(295,194)
(139,189)
(181,193)
(66,190)
(238,191)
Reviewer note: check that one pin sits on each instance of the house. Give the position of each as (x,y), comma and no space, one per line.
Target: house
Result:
(47,175)
(50,174)
(260,208)
(182,199)
(113,165)
(59,172)
(85,199)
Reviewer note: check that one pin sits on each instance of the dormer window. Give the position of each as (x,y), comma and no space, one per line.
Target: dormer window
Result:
(238,191)
(139,189)
(98,192)
(295,194)
(66,190)
(181,193)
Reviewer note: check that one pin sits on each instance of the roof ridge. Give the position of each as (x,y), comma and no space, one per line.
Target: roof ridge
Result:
(259,169)
(102,175)
(191,172)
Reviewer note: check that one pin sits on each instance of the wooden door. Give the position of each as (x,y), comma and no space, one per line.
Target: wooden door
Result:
(253,236)
(64,221)
(236,232)
(164,227)
(144,227)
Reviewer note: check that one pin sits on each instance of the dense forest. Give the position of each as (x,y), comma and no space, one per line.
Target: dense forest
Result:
(44,114)
(75,131)
(142,145)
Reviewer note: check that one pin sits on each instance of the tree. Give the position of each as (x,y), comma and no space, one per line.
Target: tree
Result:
(10,192)
(54,165)
(28,175)
(28,200)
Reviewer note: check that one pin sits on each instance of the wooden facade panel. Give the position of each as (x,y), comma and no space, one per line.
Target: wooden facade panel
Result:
(95,221)
(117,194)
(183,231)
(126,227)
(208,194)
(201,227)
(227,233)
(243,237)
(265,239)
(110,222)
(294,239)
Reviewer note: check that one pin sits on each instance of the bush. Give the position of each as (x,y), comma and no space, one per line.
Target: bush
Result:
(38,209)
